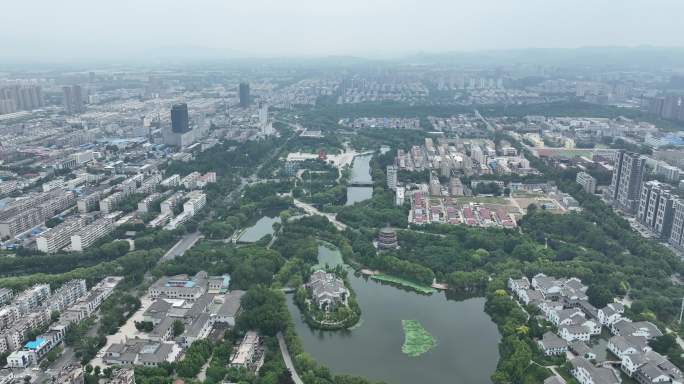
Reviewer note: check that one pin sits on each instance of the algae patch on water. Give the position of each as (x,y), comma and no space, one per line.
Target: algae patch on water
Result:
(416,339)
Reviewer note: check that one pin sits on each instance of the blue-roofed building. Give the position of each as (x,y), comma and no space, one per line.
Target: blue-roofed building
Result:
(218,284)
(180,287)
(35,344)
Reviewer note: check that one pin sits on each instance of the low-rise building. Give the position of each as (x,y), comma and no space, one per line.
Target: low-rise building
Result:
(587,181)
(122,376)
(650,367)
(139,352)
(610,313)
(230,309)
(621,346)
(552,345)
(625,327)
(586,373)
(180,287)
(250,353)
(327,290)
(574,332)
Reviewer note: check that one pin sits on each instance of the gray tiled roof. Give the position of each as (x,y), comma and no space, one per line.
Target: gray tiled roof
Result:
(551,341)
(231,303)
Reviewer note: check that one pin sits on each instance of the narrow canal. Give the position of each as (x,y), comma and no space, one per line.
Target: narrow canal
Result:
(360,174)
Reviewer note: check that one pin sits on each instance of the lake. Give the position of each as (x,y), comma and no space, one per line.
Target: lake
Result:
(360,174)
(467,339)
(261,228)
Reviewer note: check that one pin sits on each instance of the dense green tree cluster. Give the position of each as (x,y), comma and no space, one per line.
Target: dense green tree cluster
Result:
(131,265)
(331,144)
(61,262)
(194,359)
(257,200)
(116,310)
(575,109)
(402,268)
(321,184)
(292,274)
(247,266)
(264,310)
(375,212)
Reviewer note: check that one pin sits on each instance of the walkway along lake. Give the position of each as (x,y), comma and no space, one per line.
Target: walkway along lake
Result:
(467,339)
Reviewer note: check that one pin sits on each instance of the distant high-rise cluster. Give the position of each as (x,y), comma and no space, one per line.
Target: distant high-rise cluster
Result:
(668,107)
(20,98)
(72,97)
(179,118)
(244,95)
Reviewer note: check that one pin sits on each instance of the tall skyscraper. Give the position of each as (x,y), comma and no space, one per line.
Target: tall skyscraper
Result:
(73,99)
(625,187)
(244,95)
(179,118)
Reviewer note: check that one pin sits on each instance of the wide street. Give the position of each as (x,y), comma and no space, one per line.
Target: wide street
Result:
(185,243)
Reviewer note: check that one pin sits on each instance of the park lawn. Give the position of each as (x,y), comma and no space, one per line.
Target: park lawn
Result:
(416,339)
(403,282)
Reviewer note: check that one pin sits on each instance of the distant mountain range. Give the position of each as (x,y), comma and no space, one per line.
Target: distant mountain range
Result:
(646,57)
(625,57)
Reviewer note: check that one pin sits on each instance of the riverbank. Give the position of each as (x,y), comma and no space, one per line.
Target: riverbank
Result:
(403,282)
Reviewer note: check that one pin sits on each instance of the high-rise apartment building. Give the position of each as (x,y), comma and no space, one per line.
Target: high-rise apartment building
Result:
(677,233)
(656,208)
(20,97)
(670,172)
(625,186)
(244,95)
(179,118)
(391,177)
(72,98)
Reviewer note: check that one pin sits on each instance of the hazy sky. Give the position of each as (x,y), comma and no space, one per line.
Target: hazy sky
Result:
(77,29)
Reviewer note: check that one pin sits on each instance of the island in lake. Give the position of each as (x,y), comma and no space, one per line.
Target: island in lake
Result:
(417,340)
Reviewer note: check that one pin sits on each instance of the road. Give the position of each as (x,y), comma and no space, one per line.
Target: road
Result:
(288,359)
(68,356)
(185,243)
(487,123)
(310,209)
